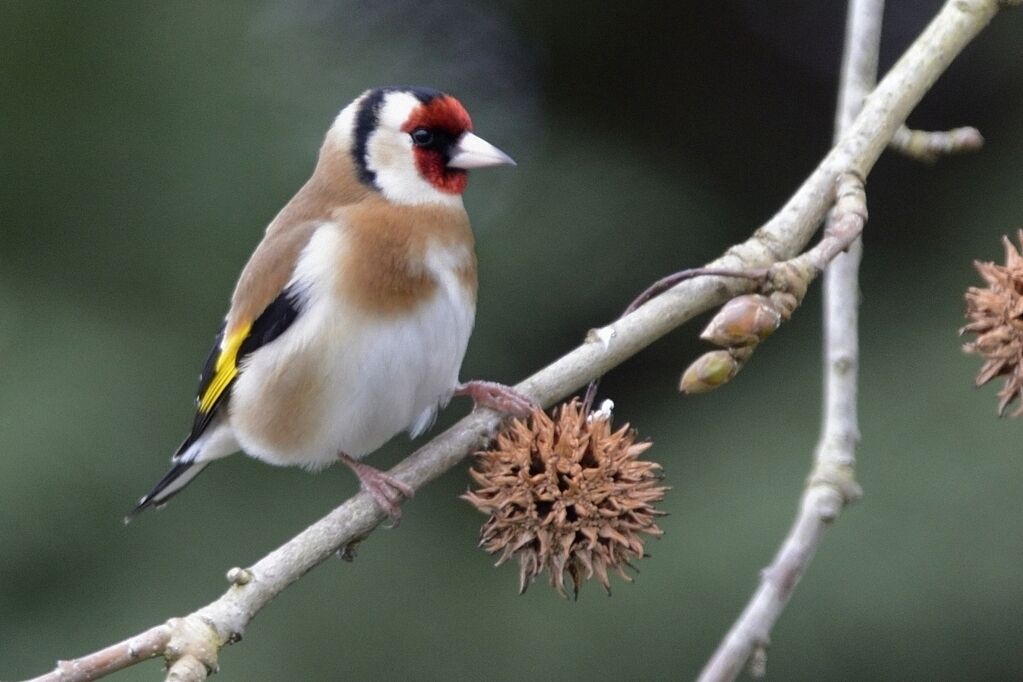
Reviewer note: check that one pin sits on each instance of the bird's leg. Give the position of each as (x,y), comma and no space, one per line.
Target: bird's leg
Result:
(497,397)
(386,490)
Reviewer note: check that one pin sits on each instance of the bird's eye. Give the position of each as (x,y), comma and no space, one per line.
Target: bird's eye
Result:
(422,137)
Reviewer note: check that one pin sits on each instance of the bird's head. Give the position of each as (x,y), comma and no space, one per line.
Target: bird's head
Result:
(413,145)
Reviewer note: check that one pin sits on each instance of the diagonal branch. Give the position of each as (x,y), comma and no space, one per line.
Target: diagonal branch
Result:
(200,635)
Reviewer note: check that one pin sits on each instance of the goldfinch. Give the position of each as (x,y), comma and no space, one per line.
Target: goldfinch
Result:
(350,320)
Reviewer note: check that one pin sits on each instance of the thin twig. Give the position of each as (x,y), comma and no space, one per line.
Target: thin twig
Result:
(746,321)
(928,146)
(224,620)
(664,284)
(141,647)
(832,483)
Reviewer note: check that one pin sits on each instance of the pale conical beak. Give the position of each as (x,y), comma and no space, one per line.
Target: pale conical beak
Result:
(472,151)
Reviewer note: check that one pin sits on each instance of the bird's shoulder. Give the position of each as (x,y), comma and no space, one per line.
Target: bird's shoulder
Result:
(262,304)
(332,186)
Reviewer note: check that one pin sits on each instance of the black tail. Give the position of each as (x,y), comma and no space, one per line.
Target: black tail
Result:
(180,475)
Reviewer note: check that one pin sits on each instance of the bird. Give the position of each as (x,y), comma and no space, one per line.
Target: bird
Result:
(350,320)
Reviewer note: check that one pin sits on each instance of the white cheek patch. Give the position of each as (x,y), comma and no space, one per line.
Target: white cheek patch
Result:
(390,156)
(396,109)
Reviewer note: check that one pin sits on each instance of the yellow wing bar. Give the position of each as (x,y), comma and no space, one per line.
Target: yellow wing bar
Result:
(226,368)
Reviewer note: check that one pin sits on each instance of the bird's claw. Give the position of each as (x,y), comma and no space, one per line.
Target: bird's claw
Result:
(387,491)
(497,397)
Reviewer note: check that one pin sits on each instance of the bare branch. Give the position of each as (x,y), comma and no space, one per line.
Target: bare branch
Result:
(141,647)
(223,621)
(832,482)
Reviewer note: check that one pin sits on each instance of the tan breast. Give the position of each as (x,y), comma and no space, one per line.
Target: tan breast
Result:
(384,268)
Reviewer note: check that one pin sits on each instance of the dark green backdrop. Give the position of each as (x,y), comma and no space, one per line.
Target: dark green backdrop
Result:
(145,145)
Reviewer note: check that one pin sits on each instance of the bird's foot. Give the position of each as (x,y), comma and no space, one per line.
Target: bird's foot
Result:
(387,491)
(497,397)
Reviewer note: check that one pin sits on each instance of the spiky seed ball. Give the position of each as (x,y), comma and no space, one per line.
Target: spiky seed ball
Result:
(996,317)
(567,495)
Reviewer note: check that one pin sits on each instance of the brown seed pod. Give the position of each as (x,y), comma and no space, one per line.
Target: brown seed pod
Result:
(566,495)
(996,317)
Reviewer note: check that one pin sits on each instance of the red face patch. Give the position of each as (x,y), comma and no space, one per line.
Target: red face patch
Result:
(447,119)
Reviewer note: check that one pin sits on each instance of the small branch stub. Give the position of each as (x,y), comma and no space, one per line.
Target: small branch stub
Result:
(187,669)
(239,576)
(192,641)
(929,146)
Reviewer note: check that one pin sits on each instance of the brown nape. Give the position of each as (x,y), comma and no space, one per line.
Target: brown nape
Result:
(334,183)
(383,267)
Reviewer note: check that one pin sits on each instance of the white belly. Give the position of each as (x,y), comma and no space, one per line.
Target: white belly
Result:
(340,381)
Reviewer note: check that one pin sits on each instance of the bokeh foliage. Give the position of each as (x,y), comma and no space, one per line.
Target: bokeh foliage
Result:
(143,148)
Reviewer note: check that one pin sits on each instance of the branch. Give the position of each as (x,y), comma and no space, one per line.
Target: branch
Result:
(224,620)
(746,321)
(832,483)
(149,644)
(928,146)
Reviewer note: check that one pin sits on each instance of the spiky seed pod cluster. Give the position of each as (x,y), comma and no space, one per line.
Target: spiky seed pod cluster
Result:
(740,326)
(567,495)
(996,317)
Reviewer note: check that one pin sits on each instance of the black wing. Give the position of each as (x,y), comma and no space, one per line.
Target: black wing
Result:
(222,366)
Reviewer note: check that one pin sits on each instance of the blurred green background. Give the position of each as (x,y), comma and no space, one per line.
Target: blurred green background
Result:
(144,147)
